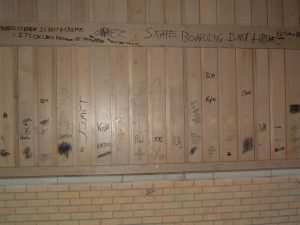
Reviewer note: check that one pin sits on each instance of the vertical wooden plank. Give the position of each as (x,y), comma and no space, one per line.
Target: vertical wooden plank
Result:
(46,12)
(26,73)
(261,87)
(27,90)
(292,70)
(210,87)
(8,77)
(244,87)
(157,89)
(7,107)
(121,145)
(66,131)
(277,86)
(82,13)
(192,79)
(174,88)
(227,88)
(103,91)
(138,85)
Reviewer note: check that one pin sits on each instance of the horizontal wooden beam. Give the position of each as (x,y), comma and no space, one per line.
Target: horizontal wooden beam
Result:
(148,169)
(148,35)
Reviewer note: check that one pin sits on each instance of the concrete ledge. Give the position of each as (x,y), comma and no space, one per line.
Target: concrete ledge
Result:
(148,177)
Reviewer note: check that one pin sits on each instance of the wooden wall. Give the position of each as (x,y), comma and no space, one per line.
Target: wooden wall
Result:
(90,110)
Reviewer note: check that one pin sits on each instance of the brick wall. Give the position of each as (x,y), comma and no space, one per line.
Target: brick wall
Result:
(212,200)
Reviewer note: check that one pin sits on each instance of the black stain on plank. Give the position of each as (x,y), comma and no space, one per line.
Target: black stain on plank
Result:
(295,108)
(193,150)
(5,115)
(4,153)
(104,154)
(229,154)
(44,122)
(247,145)
(27,153)
(64,149)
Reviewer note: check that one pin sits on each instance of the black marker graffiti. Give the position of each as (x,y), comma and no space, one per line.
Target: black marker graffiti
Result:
(193,150)
(247,145)
(196,111)
(294,109)
(4,153)
(279,148)
(104,154)
(157,139)
(149,191)
(64,149)
(210,99)
(103,145)
(262,126)
(177,141)
(102,127)
(138,139)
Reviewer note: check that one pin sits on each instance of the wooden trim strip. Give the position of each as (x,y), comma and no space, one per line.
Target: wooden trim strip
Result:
(147,35)
(148,169)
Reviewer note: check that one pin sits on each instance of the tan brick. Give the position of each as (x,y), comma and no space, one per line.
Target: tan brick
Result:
(164,198)
(81,216)
(262,206)
(287,185)
(49,209)
(142,199)
(223,195)
(191,190)
(223,182)
(282,219)
(172,219)
(7,196)
(131,206)
(13,203)
(212,217)
(89,194)
(152,220)
(204,196)
(204,223)
(192,204)
(89,208)
(90,222)
(173,191)
(26,210)
(111,221)
(231,202)
(223,209)
(279,192)
(242,208)
(15,188)
(260,194)
(164,184)
(242,222)
(250,201)
(142,185)
(121,186)
(242,181)
(279,206)
(230,188)
(26,196)
(143,213)
(187,197)
(47,195)
(80,187)
(36,188)
(100,187)
(132,221)
(250,187)
(294,205)
(212,189)
(164,212)
(269,213)
(279,179)
(111,207)
(59,216)
(71,222)
(45,223)
(184,183)
(16,218)
(212,203)
(82,201)
(132,192)
(2,204)
(287,212)
(38,217)
(261,180)
(172,205)
(112,193)
(102,201)
(120,200)
(204,183)
(7,211)
(260,220)
(232,215)
(68,195)
(70,209)
(58,187)
(247,215)
(59,202)
(192,218)
(102,215)
(152,205)
(37,203)
(181,212)
(269,186)
(242,195)
(122,214)
(294,218)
